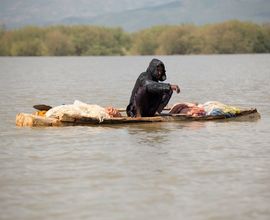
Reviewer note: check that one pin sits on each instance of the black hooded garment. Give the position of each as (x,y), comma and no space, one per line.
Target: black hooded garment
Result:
(149,95)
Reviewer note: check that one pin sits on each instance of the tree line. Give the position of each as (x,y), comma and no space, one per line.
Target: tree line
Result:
(81,40)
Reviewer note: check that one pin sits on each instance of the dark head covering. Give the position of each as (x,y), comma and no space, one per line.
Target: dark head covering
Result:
(152,69)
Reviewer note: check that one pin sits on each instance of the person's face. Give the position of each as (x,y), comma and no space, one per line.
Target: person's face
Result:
(160,71)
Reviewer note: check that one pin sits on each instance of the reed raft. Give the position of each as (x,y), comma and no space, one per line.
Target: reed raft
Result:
(31,120)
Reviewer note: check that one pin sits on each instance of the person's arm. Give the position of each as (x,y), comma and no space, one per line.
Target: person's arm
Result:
(156,87)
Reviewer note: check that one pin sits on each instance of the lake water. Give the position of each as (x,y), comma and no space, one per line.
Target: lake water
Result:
(190,170)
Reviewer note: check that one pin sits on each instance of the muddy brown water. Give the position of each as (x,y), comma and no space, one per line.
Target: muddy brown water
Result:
(185,170)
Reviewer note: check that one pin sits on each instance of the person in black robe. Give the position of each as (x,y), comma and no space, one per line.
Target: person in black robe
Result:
(149,96)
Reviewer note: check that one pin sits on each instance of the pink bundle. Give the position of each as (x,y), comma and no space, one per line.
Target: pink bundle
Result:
(188,109)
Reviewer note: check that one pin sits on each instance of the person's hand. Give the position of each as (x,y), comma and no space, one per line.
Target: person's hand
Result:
(175,88)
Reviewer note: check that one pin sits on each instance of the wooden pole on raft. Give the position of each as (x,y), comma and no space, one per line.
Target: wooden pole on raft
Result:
(43,107)
(123,109)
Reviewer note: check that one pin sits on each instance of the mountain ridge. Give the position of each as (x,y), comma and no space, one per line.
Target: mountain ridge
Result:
(143,14)
(177,12)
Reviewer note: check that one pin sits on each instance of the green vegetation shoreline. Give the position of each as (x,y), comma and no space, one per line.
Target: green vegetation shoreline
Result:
(230,37)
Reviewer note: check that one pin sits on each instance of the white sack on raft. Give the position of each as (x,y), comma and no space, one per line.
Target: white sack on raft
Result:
(79,108)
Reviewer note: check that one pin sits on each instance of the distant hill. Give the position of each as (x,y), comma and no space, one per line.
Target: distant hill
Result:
(132,15)
(17,13)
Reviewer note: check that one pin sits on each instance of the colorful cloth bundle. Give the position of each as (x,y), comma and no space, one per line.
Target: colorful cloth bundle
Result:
(217,108)
(213,108)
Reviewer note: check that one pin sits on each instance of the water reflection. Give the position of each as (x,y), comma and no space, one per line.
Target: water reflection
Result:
(153,134)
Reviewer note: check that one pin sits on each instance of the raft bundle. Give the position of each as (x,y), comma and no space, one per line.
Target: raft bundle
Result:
(74,118)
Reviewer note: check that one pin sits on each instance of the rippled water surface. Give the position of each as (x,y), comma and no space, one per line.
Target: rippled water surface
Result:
(188,170)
